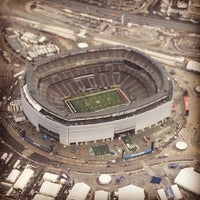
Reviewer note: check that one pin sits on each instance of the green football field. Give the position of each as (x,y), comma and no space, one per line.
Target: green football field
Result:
(92,102)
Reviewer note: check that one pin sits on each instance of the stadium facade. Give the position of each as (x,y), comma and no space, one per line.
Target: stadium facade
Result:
(45,84)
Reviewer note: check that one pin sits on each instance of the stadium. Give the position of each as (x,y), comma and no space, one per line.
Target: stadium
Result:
(95,94)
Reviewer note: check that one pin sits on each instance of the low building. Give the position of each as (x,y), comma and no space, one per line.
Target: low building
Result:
(19,117)
(193,9)
(16,106)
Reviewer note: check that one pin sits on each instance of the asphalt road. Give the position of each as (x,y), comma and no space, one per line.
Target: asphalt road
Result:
(8,139)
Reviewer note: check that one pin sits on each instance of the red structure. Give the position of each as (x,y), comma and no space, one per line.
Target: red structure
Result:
(186,105)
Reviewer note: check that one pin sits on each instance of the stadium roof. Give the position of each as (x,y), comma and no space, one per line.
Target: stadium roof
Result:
(131,192)
(78,192)
(189,180)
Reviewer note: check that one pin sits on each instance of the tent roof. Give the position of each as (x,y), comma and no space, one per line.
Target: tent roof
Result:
(181,145)
(126,192)
(101,195)
(23,179)
(79,191)
(104,179)
(50,177)
(49,188)
(42,197)
(189,180)
(193,65)
(12,177)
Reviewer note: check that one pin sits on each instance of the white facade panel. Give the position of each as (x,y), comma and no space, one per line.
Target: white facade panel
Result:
(148,118)
(125,124)
(49,124)
(29,111)
(91,132)
(64,134)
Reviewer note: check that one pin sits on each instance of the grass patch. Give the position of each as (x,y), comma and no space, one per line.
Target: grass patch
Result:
(99,150)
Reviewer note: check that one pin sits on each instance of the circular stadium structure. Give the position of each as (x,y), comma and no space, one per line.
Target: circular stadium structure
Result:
(95,94)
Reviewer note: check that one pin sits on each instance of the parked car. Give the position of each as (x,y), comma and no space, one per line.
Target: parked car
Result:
(173,165)
(120,179)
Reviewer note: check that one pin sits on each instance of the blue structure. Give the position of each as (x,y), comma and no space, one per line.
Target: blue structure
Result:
(44,148)
(134,155)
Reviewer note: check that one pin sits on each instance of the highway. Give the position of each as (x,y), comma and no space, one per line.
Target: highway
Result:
(150,20)
(115,15)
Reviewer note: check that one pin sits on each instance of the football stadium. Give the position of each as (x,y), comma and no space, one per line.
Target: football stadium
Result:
(95,94)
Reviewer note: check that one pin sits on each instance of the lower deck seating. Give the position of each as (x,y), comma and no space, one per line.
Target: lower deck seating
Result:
(133,88)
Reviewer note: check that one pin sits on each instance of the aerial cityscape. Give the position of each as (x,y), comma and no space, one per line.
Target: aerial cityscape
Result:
(100,100)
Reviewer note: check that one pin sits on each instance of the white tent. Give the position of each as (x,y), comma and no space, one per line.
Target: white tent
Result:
(82,45)
(23,179)
(50,177)
(50,189)
(131,192)
(42,197)
(197,89)
(193,66)
(101,195)
(181,145)
(188,179)
(78,192)
(12,177)
(104,179)
(169,192)
(4,156)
